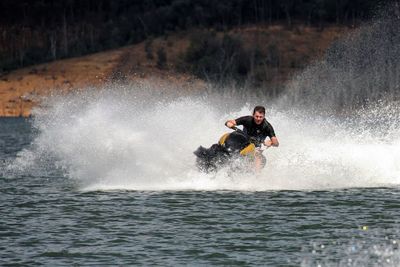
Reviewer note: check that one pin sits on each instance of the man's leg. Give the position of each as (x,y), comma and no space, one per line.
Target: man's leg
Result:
(259,161)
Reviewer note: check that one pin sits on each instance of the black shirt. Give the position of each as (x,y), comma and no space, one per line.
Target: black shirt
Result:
(260,132)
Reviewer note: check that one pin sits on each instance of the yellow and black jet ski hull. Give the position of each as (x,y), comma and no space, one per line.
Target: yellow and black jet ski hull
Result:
(230,146)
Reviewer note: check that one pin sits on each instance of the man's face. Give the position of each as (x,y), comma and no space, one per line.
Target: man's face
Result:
(258,117)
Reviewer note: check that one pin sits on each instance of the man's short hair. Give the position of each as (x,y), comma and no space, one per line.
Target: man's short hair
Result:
(259,109)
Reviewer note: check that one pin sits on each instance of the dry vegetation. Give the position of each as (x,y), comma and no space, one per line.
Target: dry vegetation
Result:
(21,89)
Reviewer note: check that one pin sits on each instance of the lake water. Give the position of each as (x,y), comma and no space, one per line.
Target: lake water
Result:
(47,218)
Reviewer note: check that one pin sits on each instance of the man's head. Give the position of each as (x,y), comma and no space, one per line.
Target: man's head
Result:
(259,114)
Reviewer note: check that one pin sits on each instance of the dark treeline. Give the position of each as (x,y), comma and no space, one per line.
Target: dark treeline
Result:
(37,31)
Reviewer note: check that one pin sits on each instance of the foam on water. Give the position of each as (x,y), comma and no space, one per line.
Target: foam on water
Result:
(127,139)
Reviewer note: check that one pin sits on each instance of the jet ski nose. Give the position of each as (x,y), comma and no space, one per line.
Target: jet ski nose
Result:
(236,142)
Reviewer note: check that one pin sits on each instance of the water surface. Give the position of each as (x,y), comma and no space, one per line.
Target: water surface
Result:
(47,219)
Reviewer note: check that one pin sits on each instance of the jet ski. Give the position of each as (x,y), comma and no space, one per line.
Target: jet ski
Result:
(231,147)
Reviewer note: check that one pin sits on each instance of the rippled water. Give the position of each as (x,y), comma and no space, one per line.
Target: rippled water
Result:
(46,219)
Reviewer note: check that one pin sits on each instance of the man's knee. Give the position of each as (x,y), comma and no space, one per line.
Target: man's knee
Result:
(261,160)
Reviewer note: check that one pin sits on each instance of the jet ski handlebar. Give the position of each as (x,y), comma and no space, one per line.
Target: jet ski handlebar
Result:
(251,139)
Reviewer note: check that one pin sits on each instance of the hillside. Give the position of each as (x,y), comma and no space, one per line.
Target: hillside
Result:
(294,48)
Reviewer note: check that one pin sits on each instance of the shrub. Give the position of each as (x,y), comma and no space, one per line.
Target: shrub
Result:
(161,57)
(149,49)
(217,59)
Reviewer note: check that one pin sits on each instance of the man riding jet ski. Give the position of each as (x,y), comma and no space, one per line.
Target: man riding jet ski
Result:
(246,143)
(230,146)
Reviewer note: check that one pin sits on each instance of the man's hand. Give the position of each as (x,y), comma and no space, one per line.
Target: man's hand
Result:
(230,123)
(268,143)
(273,142)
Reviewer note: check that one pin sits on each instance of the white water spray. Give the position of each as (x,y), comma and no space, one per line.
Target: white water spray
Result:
(124,139)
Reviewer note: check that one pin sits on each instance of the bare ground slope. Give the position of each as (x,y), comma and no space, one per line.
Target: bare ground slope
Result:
(20,90)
